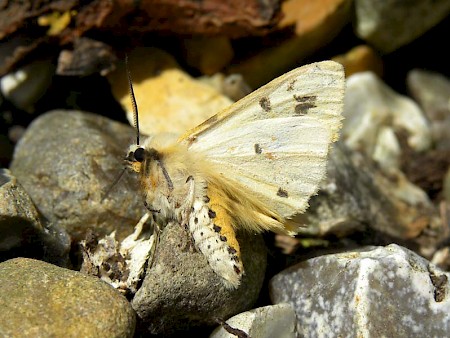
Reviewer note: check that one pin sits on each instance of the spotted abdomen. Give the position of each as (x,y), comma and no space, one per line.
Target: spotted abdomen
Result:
(211,227)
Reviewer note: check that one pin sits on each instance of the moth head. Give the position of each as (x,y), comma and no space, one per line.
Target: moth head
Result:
(136,156)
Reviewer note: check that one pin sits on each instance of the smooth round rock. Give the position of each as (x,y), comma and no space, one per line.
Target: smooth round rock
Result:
(67,161)
(38,299)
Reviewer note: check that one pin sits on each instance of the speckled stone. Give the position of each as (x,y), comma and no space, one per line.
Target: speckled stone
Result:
(67,161)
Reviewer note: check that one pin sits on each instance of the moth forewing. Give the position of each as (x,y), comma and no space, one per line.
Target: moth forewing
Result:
(275,141)
(293,92)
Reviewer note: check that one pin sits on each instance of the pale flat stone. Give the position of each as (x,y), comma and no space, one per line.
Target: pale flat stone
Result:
(168,99)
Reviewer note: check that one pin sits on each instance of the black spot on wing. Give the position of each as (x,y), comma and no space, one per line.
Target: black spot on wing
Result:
(211,213)
(237,270)
(231,250)
(264,102)
(302,109)
(223,238)
(258,149)
(217,228)
(282,193)
(305,103)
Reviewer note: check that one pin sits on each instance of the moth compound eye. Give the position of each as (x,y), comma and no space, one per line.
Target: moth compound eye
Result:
(139,154)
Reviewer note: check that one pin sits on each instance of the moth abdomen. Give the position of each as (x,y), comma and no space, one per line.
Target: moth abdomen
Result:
(211,228)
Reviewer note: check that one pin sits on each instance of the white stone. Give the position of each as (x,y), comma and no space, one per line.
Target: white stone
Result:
(387,149)
(376,292)
(374,113)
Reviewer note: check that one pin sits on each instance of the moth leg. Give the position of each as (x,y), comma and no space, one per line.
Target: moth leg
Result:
(189,201)
(140,225)
(156,232)
(186,209)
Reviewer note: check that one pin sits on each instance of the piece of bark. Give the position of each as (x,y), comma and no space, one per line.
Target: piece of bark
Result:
(235,18)
(26,25)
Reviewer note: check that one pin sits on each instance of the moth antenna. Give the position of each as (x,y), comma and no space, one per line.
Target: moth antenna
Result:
(133,100)
(113,184)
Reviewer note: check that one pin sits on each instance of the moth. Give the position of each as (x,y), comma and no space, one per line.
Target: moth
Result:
(252,166)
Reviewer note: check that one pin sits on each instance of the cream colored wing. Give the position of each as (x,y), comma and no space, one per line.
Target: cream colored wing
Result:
(275,141)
